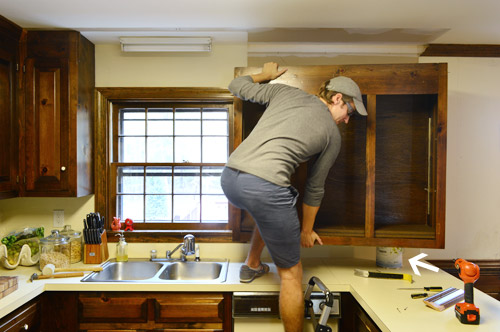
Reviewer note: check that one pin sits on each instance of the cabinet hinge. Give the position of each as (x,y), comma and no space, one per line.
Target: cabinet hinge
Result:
(17,179)
(17,67)
(24,180)
(24,68)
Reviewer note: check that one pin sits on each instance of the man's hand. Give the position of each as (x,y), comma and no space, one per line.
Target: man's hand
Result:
(307,239)
(270,71)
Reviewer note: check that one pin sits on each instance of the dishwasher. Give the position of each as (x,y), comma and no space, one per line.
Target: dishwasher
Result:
(259,311)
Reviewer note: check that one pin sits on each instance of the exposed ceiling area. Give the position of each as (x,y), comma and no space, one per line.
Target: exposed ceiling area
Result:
(270,23)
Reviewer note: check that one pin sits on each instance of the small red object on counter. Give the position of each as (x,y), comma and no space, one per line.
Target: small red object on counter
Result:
(116,225)
(129,224)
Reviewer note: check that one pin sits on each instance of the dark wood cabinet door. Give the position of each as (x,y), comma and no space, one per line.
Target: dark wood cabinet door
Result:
(25,318)
(9,66)
(47,124)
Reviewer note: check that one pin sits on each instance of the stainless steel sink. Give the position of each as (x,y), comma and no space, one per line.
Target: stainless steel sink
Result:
(192,271)
(145,271)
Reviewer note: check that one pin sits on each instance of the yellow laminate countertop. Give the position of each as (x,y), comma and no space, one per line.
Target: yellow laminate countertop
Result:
(391,309)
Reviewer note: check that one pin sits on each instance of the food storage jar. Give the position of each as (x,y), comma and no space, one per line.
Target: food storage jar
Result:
(55,249)
(75,241)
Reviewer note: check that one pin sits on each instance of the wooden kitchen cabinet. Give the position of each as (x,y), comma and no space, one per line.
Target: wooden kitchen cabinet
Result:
(159,311)
(354,318)
(58,114)
(25,318)
(387,186)
(10,35)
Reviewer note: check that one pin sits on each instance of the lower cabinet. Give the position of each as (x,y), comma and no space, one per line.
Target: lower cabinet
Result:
(25,318)
(158,311)
(354,318)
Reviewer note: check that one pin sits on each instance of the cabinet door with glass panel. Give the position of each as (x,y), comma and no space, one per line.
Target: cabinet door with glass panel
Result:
(167,161)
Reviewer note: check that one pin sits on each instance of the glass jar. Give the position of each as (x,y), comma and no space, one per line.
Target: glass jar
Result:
(75,241)
(55,249)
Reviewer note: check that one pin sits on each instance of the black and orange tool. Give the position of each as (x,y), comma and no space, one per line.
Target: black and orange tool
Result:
(467,312)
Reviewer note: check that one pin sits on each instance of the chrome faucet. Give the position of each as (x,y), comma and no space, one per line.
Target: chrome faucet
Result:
(188,248)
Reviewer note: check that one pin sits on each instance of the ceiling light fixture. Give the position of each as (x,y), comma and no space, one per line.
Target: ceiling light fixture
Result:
(166,44)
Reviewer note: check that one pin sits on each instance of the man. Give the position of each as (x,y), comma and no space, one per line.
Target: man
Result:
(295,127)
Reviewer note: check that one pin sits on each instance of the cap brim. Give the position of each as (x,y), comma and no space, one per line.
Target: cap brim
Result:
(360,107)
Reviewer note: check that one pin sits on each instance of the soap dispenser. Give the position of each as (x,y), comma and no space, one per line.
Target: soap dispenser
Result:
(121,249)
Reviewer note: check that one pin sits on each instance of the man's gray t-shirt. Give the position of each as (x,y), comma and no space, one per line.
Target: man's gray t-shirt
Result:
(295,127)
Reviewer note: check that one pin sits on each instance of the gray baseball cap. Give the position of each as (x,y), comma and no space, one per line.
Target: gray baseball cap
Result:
(347,86)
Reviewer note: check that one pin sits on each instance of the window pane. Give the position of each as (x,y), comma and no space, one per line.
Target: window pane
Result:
(186,180)
(130,180)
(214,208)
(215,113)
(160,149)
(158,180)
(130,206)
(188,127)
(215,149)
(160,121)
(210,181)
(132,149)
(132,121)
(187,149)
(187,113)
(186,208)
(214,127)
(159,208)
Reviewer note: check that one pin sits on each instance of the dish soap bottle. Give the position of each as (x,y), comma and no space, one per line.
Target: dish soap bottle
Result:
(121,249)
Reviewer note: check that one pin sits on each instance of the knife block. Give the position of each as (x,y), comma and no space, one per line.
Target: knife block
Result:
(97,253)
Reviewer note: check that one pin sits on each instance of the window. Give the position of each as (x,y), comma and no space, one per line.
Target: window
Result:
(159,156)
(169,161)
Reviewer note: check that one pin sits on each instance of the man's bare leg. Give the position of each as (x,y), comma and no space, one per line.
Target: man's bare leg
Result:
(292,298)
(256,247)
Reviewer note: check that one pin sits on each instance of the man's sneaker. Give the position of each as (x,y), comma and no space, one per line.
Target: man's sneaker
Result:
(248,275)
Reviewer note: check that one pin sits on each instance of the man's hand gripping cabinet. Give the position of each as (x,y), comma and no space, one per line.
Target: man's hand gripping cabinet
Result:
(466,311)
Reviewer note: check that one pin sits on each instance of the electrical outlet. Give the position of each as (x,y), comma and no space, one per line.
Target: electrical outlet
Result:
(59,218)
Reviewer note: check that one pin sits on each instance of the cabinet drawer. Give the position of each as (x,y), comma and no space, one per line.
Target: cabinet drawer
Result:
(96,308)
(196,307)
(26,318)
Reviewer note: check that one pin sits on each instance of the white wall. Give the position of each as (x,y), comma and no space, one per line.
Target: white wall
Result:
(473,159)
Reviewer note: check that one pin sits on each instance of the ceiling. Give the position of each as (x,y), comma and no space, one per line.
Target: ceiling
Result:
(264,22)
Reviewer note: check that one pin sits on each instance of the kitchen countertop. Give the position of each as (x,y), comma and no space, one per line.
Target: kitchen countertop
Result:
(391,309)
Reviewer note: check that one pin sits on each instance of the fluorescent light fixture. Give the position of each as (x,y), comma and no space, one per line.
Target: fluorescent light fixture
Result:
(166,44)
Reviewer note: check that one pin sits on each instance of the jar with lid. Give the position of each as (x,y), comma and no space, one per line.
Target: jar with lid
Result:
(55,249)
(75,241)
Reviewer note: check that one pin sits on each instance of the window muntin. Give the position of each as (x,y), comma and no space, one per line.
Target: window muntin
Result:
(169,161)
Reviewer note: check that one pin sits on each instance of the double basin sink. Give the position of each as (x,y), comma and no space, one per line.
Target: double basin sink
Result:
(146,271)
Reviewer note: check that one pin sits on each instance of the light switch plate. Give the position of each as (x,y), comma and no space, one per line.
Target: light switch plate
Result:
(59,218)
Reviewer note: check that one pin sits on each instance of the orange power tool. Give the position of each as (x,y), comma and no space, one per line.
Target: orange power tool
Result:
(467,312)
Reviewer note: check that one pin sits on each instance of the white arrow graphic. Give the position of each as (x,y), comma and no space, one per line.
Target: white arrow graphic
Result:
(415,261)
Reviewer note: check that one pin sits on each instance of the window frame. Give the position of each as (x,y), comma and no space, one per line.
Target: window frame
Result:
(104,178)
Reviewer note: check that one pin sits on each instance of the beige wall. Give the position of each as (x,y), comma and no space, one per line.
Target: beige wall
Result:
(215,69)
(473,183)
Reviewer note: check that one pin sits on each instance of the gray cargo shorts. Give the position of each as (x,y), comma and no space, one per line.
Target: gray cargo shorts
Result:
(273,209)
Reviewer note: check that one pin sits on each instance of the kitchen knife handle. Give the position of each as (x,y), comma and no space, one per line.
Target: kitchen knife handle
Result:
(385,275)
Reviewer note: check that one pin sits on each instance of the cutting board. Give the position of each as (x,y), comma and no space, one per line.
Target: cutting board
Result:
(7,285)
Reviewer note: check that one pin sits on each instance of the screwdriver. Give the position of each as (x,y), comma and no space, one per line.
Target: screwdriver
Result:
(429,289)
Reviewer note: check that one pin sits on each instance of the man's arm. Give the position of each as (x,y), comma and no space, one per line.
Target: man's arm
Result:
(270,71)
(307,235)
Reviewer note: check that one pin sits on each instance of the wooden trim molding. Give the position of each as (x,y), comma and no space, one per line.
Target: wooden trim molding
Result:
(463,50)
(489,280)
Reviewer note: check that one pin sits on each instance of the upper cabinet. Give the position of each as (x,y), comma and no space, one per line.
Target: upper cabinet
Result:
(10,35)
(387,186)
(57,137)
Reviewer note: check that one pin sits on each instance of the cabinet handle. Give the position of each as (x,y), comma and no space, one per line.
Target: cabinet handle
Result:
(44,170)
(26,327)
(63,168)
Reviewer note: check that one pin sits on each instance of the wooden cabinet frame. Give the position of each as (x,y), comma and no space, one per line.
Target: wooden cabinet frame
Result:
(422,88)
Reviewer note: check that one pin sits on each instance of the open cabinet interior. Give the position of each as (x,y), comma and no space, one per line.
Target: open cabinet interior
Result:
(387,186)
